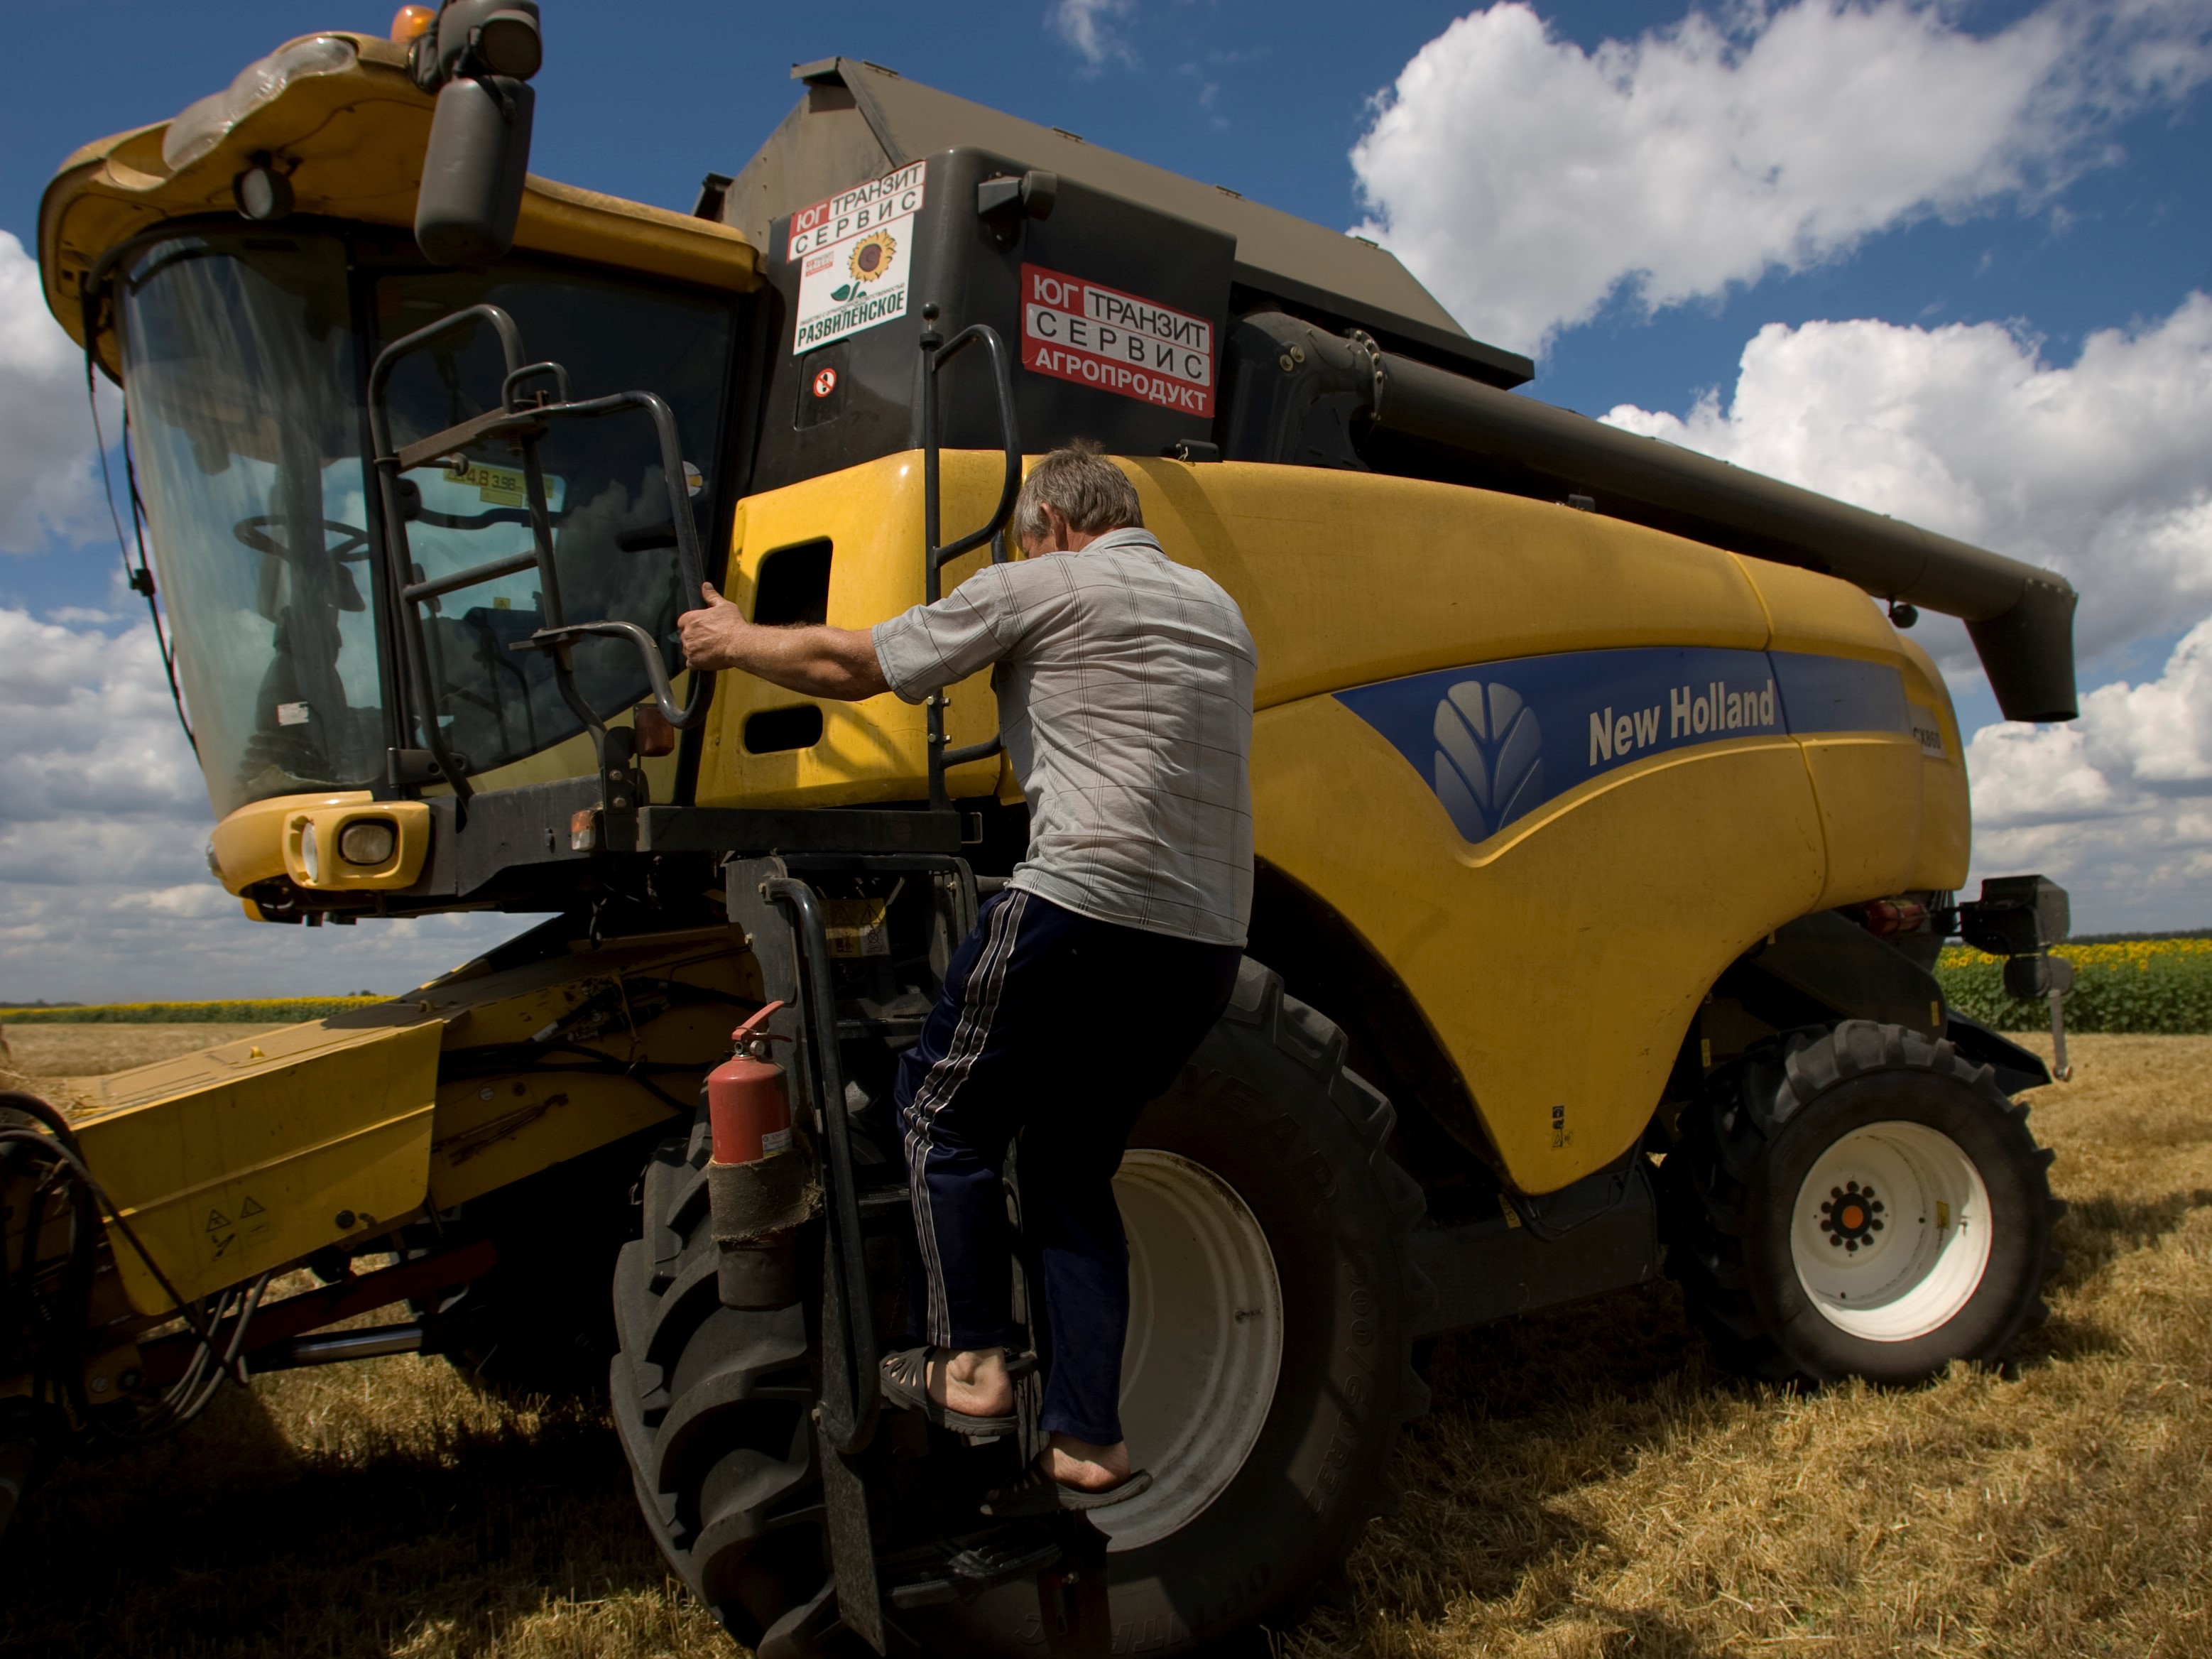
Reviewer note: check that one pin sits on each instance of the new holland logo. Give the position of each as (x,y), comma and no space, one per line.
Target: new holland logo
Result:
(1489,765)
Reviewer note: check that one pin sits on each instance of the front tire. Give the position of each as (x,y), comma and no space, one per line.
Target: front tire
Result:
(1859,1201)
(1265,1378)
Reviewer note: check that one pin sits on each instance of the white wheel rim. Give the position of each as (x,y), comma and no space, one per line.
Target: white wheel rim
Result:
(1205,1341)
(1891,1232)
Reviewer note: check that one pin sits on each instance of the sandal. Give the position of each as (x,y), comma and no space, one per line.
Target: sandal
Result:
(1037,1494)
(905,1383)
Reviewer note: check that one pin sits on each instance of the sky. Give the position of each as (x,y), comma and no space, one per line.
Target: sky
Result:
(1949,260)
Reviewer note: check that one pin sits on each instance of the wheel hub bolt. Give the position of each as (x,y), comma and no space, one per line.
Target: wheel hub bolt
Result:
(1851,1216)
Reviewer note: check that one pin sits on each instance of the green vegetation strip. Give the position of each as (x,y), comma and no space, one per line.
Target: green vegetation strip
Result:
(2159,986)
(267,1011)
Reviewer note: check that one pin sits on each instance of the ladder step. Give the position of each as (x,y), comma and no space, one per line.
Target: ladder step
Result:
(972,1571)
(897,1025)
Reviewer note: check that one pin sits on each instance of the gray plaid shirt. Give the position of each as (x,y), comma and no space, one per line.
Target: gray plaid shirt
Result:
(1125,697)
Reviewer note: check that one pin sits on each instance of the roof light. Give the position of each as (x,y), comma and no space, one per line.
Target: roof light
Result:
(203,124)
(508,43)
(410,20)
(476,38)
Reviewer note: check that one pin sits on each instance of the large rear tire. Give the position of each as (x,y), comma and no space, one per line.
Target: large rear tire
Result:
(1266,1376)
(1859,1201)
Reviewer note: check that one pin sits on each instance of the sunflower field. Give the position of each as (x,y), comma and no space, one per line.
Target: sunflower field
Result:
(2145,985)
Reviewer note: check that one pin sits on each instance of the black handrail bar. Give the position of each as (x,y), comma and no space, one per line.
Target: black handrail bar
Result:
(399,559)
(850,1398)
(936,352)
(524,418)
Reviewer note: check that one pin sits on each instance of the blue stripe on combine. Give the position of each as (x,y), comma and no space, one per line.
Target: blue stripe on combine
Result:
(1497,740)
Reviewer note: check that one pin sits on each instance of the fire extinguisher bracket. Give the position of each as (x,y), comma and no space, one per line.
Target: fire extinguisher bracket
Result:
(750,1203)
(754,1212)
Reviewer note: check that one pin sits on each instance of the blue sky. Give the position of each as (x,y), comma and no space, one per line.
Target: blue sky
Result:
(1861,245)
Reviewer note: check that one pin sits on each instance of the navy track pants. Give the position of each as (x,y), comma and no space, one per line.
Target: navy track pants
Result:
(1059,1029)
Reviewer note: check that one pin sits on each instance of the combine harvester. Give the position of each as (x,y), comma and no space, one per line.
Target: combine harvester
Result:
(1608,830)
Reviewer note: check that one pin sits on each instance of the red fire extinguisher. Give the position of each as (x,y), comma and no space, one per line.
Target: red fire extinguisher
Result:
(747,1109)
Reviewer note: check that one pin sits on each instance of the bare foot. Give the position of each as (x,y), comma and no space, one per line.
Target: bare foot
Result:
(974,1383)
(1086,1467)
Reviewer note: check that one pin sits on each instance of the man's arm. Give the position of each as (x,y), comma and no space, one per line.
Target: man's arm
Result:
(816,662)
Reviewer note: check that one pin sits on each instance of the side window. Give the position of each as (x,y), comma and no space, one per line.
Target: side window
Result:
(614,543)
(240,364)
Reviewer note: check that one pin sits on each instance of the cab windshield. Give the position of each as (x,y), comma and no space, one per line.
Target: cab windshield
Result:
(245,358)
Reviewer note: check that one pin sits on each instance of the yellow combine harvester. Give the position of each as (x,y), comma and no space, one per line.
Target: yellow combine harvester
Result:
(1608,831)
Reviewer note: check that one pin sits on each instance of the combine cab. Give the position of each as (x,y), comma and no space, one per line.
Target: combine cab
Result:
(1607,826)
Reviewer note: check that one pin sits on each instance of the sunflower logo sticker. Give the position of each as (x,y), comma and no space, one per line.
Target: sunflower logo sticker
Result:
(870,257)
(852,254)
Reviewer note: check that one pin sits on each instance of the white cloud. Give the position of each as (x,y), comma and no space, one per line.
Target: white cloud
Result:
(1090,28)
(2134,746)
(104,888)
(1527,182)
(47,458)
(2101,469)
(2117,807)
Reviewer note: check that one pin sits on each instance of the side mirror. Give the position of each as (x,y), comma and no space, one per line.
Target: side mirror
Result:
(478,58)
(473,171)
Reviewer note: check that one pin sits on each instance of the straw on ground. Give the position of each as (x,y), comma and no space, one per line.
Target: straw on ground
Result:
(1585,1486)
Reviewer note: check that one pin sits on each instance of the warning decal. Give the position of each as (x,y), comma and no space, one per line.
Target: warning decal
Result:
(1099,337)
(221,1231)
(854,252)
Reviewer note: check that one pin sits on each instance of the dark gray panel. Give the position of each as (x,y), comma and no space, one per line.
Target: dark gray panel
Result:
(816,152)
(971,270)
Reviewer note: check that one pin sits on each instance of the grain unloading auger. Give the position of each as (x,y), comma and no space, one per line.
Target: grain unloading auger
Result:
(1608,833)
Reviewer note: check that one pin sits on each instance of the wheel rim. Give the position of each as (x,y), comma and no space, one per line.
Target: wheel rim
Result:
(1891,1232)
(1205,1345)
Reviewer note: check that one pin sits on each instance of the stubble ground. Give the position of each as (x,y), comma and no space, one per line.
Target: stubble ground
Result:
(1586,1484)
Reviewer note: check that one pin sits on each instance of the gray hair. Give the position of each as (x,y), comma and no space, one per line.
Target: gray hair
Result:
(1092,494)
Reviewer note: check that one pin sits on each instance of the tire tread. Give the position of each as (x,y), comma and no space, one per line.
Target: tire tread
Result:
(1706,1179)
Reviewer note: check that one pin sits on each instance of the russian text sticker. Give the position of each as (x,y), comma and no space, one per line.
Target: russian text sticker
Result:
(854,253)
(1081,331)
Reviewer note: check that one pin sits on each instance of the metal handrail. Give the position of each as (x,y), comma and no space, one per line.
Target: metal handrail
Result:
(560,634)
(399,559)
(936,352)
(558,641)
(524,418)
(850,1398)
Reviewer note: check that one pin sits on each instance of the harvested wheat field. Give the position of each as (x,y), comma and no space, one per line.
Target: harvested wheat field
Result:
(1585,1485)
(72,1050)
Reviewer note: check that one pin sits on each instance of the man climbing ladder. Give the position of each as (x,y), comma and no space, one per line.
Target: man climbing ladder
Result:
(1124,700)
